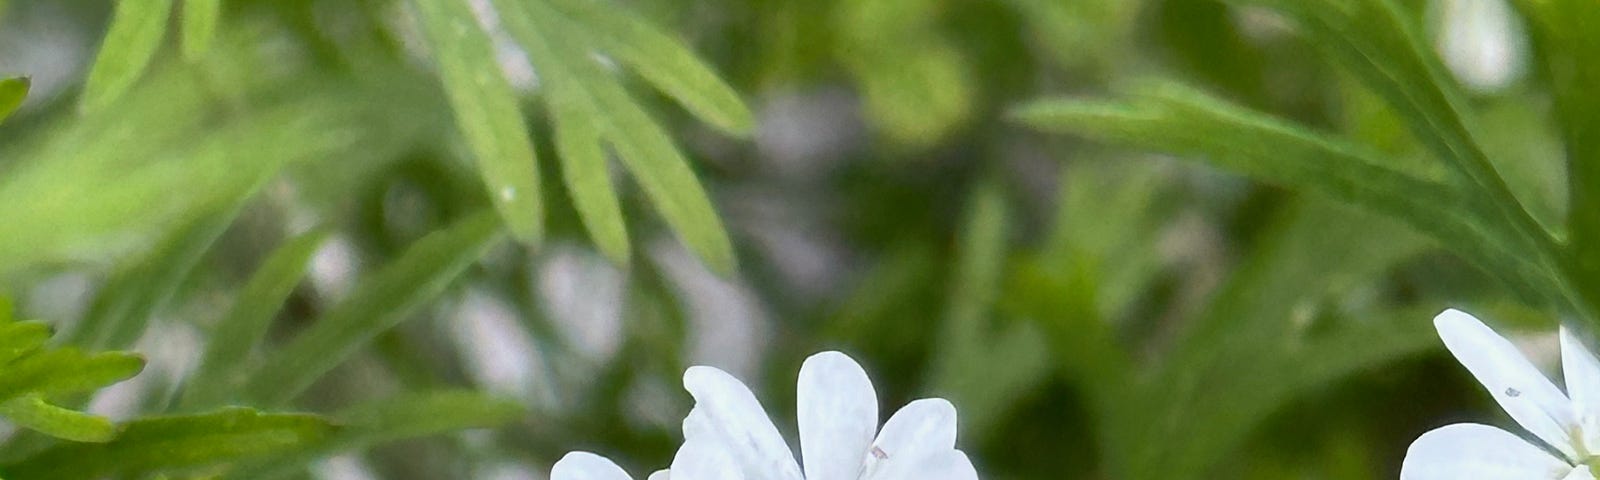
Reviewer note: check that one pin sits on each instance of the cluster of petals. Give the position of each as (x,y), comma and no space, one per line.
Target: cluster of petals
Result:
(729,436)
(1566,424)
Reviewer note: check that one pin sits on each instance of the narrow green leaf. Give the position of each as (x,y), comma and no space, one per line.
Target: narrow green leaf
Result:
(246,325)
(135,33)
(125,303)
(200,18)
(557,49)
(487,113)
(378,303)
(1179,120)
(968,341)
(413,415)
(66,370)
(663,60)
(585,169)
(33,413)
(1563,32)
(167,443)
(12,92)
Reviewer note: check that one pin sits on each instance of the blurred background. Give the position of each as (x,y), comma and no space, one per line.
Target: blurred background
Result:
(1094,311)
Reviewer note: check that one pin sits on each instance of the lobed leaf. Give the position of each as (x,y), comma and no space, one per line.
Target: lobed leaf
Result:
(33,413)
(662,60)
(487,113)
(587,98)
(135,33)
(378,303)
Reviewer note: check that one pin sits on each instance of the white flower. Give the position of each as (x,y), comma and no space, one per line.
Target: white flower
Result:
(728,436)
(1568,426)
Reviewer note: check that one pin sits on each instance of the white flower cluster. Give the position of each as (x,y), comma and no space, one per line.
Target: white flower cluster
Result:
(728,435)
(1567,424)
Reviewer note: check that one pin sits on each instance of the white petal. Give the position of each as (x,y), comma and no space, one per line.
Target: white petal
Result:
(1478,452)
(1580,473)
(922,426)
(734,417)
(1582,372)
(1520,388)
(586,466)
(838,413)
(947,464)
(705,460)
(697,425)
(661,475)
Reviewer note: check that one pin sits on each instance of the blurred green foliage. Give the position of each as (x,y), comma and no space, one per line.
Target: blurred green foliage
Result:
(1129,239)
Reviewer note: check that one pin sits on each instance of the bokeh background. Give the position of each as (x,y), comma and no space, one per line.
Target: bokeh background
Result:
(1095,311)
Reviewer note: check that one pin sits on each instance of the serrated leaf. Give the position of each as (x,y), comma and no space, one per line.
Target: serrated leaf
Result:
(592,96)
(486,111)
(377,304)
(33,413)
(662,60)
(411,415)
(172,443)
(12,92)
(135,33)
(199,21)
(246,324)
(1175,119)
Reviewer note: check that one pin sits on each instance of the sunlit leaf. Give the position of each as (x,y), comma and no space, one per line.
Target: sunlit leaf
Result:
(199,19)
(34,413)
(487,113)
(378,303)
(137,27)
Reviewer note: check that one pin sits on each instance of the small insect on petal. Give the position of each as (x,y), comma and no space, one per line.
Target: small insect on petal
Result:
(878,452)
(1513,393)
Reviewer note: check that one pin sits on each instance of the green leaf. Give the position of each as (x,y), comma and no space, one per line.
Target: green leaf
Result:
(412,415)
(126,302)
(591,97)
(173,443)
(918,86)
(200,18)
(969,344)
(487,113)
(135,33)
(12,92)
(245,326)
(21,338)
(377,304)
(34,413)
(1175,119)
(66,370)
(1564,35)
(662,60)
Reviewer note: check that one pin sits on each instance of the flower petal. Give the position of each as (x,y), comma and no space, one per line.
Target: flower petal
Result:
(661,475)
(1582,372)
(1580,473)
(1515,383)
(586,466)
(1478,452)
(705,460)
(838,412)
(947,464)
(920,427)
(732,416)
